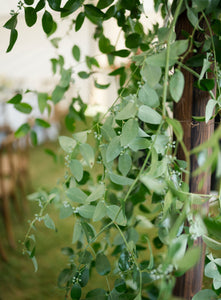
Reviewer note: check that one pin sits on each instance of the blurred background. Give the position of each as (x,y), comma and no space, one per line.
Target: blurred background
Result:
(24,168)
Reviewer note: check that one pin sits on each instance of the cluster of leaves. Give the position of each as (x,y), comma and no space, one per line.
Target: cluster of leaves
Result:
(135,210)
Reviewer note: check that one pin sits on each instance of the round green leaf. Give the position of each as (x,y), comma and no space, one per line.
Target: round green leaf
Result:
(176,85)
(149,115)
(148,96)
(84,277)
(205,295)
(102,264)
(76,169)
(124,163)
(76,292)
(30,16)
(67,143)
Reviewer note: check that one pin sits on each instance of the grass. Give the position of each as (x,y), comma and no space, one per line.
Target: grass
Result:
(17,277)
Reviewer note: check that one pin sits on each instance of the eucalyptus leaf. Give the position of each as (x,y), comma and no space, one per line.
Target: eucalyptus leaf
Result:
(86,211)
(209,109)
(129,111)
(148,96)
(97,194)
(149,115)
(151,74)
(176,85)
(115,213)
(49,223)
(67,144)
(88,154)
(76,195)
(113,149)
(77,232)
(129,132)
(124,163)
(100,211)
(102,264)
(205,295)
(139,143)
(121,180)
(76,169)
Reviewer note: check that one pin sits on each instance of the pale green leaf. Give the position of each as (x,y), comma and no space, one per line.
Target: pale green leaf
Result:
(124,163)
(81,136)
(129,111)
(189,260)
(205,295)
(100,211)
(211,243)
(151,74)
(129,132)
(42,101)
(49,223)
(76,169)
(176,49)
(114,211)
(67,144)
(153,184)
(148,96)
(76,195)
(139,144)
(121,180)
(209,109)
(149,115)
(86,211)
(77,232)
(98,193)
(177,128)
(113,149)
(88,154)
(176,85)
(107,129)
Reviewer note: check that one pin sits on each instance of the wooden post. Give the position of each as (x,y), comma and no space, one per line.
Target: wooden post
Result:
(193,103)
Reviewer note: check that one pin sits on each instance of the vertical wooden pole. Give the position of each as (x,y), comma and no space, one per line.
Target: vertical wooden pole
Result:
(193,103)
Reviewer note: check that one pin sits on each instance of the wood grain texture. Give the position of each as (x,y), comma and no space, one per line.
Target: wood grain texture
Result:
(193,103)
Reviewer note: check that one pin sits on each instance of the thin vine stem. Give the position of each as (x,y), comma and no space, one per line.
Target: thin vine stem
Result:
(132,254)
(167,65)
